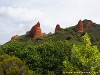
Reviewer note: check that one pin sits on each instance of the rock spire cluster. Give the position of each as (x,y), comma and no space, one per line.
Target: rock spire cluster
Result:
(81,26)
(36,31)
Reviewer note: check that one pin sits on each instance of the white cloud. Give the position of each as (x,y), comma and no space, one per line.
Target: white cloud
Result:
(20,20)
(20,14)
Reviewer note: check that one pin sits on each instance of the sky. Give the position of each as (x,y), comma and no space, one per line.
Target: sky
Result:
(18,16)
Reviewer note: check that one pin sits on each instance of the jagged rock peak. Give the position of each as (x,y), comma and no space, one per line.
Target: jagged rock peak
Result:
(80,26)
(58,28)
(38,24)
(80,22)
(35,31)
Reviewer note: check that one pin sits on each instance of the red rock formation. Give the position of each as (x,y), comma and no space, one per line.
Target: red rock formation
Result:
(15,37)
(44,34)
(88,24)
(50,33)
(80,26)
(58,28)
(35,32)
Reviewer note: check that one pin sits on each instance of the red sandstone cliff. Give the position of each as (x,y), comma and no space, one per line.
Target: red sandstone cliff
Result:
(35,31)
(80,26)
(88,24)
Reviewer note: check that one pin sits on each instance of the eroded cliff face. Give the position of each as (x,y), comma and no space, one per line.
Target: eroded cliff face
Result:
(15,37)
(89,24)
(58,28)
(35,31)
(80,26)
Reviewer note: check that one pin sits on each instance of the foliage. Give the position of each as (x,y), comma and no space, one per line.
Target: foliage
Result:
(21,50)
(55,57)
(69,68)
(86,57)
(11,65)
(52,56)
(42,59)
(64,51)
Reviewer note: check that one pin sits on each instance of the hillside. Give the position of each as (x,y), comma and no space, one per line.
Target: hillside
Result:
(70,34)
(70,51)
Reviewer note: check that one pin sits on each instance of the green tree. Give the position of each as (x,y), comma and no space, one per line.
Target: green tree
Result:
(69,68)
(86,57)
(52,56)
(11,65)
(25,52)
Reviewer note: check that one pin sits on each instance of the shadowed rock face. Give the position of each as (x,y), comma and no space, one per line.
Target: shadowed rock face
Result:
(88,24)
(58,28)
(15,37)
(80,26)
(35,31)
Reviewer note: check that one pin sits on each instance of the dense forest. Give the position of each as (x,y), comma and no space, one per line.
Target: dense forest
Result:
(67,52)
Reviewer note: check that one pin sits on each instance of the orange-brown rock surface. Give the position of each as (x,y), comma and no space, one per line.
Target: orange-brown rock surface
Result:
(80,26)
(15,37)
(58,28)
(88,24)
(35,31)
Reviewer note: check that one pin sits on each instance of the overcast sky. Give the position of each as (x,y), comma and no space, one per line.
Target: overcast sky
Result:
(18,16)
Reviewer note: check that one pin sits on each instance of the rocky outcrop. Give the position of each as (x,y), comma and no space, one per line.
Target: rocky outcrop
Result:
(15,37)
(44,34)
(50,33)
(58,28)
(80,26)
(88,24)
(35,31)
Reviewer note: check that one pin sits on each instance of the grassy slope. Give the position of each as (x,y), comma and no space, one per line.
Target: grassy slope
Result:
(24,52)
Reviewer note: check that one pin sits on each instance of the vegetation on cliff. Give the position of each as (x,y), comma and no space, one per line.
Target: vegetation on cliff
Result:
(66,52)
